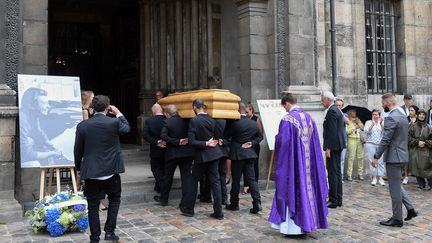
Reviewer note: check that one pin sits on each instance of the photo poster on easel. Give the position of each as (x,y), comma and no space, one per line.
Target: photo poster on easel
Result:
(271,113)
(49,111)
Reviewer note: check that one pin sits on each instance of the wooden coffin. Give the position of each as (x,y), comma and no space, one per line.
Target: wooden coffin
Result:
(220,103)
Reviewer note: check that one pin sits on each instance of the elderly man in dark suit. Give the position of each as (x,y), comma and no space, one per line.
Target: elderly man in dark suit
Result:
(98,161)
(333,145)
(178,153)
(152,134)
(394,146)
(244,134)
(203,137)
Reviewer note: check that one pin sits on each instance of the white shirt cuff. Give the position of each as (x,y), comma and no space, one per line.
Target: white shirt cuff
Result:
(119,115)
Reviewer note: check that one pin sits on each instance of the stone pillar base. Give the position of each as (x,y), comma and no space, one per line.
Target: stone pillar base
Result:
(309,99)
(11,209)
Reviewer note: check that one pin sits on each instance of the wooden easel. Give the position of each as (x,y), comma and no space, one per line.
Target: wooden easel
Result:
(56,169)
(270,169)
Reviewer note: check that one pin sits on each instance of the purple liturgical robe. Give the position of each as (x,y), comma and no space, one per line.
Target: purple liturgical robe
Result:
(301,185)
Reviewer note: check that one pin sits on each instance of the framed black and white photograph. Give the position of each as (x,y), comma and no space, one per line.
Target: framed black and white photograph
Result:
(49,111)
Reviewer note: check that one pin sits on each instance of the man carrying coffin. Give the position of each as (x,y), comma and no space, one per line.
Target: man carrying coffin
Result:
(244,134)
(178,152)
(203,137)
(299,204)
(152,134)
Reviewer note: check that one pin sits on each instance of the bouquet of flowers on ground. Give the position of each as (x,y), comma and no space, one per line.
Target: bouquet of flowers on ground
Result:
(60,213)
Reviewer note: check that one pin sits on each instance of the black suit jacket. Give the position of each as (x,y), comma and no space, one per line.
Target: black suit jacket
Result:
(176,128)
(97,146)
(201,129)
(333,129)
(242,131)
(152,133)
(429,114)
(221,125)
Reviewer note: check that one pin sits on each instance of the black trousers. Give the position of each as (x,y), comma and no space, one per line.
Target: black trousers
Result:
(422,182)
(157,166)
(185,165)
(211,170)
(334,176)
(205,184)
(256,171)
(92,190)
(222,176)
(247,167)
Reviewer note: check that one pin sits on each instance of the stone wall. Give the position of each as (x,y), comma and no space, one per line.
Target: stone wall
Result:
(414,42)
(350,49)
(33,59)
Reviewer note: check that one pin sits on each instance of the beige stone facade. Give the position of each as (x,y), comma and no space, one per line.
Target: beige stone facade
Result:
(264,47)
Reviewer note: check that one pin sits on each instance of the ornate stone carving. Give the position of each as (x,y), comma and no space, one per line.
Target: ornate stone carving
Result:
(281,35)
(12,42)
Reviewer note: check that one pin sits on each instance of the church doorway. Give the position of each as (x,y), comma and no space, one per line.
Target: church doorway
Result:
(98,41)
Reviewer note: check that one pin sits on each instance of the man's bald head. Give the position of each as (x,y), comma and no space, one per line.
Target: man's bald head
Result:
(156,109)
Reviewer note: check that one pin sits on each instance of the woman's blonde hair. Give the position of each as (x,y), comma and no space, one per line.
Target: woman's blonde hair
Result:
(86,98)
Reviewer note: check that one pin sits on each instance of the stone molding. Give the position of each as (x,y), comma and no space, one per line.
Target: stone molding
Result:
(12,42)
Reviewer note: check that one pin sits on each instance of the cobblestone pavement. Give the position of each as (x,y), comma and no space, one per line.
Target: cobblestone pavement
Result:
(357,220)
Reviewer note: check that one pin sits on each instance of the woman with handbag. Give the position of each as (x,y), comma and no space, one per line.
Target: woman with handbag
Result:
(374,129)
(355,145)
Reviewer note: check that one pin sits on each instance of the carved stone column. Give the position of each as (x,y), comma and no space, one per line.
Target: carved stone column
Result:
(12,210)
(255,75)
(297,54)
(146,89)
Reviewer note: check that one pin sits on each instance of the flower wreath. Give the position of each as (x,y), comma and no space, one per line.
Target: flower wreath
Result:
(60,213)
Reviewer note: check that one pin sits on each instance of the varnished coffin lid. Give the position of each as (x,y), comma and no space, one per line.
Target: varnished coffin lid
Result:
(220,103)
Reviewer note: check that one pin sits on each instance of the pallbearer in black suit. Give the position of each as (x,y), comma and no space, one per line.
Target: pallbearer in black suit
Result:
(178,152)
(333,145)
(152,134)
(224,144)
(202,136)
(98,161)
(244,134)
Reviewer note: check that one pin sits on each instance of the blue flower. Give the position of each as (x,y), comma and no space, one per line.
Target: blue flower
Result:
(82,223)
(64,197)
(40,204)
(55,229)
(52,215)
(79,207)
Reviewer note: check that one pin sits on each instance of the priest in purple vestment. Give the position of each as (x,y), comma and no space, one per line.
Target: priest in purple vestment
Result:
(299,204)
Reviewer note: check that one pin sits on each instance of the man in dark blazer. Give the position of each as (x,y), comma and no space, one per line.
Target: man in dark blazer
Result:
(408,102)
(98,161)
(429,113)
(203,137)
(333,145)
(394,146)
(152,134)
(244,134)
(178,153)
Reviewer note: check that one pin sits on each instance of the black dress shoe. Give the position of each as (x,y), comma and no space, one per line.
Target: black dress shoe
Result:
(158,199)
(232,207)
(217,216)
(256,208)
(412,213)
(111,237)
(339,204)
(332,205)
(392,223)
